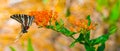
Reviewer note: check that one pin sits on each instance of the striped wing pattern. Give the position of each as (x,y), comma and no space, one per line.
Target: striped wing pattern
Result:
(25,20)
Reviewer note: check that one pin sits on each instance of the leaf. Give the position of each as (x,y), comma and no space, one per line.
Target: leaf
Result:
(89,48)
(61,22)
(87,36)
(66,32)
(12,49)
(100,39)
(30,47)
(89,20)
(72,44)
(50,27)
(101,47)
(103,38)
(68,12)
(112,30)
(79,39)
(57,25)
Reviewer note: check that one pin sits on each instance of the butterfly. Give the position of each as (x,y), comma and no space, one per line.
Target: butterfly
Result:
(25,20)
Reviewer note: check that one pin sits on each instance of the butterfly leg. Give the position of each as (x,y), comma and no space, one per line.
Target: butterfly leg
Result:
(18,36)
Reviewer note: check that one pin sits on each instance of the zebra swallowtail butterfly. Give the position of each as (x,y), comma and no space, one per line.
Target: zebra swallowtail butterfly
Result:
(25,21)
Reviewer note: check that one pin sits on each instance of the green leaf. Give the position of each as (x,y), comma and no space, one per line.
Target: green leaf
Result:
(100,39)
(101,47)
(112,30)
(79,39)
(30,47)
(12,49)
(61,22)
(87,36)
(72,44)
(66,32)
(57,25)
(68,12)
(50,27)
(89,20)
(89,48)
(104,37)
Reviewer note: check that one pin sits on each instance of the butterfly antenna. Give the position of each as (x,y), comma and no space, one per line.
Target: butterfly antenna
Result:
(18,36)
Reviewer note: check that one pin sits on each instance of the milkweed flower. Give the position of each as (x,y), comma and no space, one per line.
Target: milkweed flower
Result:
(43,18)
(79,24)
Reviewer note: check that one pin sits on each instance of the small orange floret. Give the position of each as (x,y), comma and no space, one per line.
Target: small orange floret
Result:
(42,18)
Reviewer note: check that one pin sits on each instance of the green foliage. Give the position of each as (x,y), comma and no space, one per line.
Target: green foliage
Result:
(30,47)
(114,14)
(66,32)
(104,37)
(112,30)
(100,39)
(89,20)
(84,36)
(100,4)
(59,27)
(59,24)
(87,36)
(113,8)
(101,47)
(89,47)
(72,44)
(80,39)
(50,27)
(68,12)
(12,49)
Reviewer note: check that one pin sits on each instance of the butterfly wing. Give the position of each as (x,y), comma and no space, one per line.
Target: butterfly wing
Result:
(17,17)
(30,20)
(25,20)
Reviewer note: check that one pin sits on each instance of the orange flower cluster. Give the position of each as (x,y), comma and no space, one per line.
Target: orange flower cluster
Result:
(80,24)
(83,23)
(42,18)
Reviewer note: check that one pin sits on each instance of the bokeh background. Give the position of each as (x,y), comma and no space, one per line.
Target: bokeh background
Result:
(104,13)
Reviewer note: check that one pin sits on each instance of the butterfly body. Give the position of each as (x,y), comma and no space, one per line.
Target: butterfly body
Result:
(25,28)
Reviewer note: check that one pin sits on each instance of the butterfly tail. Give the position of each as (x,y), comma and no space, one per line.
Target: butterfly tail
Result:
(18,36)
